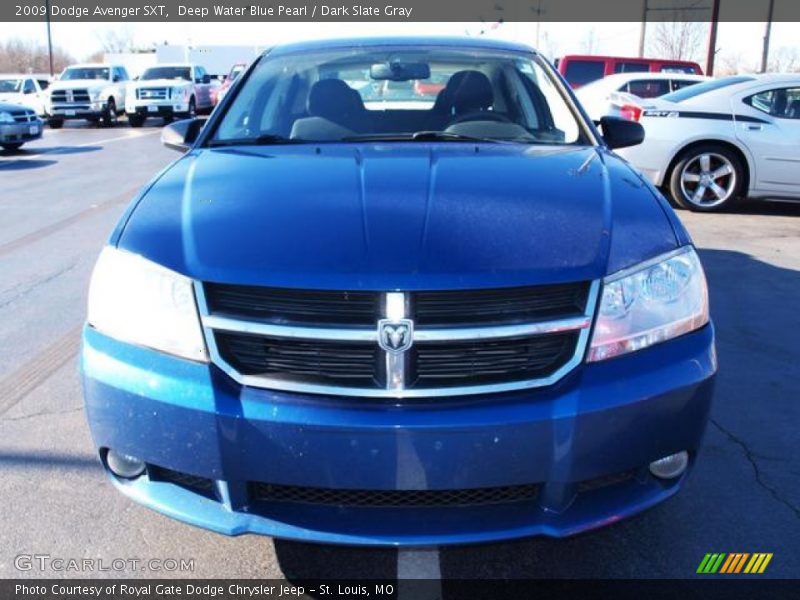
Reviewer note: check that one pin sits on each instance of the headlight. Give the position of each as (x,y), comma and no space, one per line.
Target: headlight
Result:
(650,303)
(179,91)
(6,117)
(96,94)
(135,300)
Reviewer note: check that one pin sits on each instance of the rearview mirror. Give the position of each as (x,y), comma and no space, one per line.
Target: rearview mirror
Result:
(621,133)
(180,135)
(400,71)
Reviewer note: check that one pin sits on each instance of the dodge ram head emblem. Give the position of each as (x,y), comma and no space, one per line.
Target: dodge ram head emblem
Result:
(395,335)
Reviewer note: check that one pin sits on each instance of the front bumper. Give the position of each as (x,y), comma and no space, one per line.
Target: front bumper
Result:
(84,110)
(601,420)
(17,133)
(157,108)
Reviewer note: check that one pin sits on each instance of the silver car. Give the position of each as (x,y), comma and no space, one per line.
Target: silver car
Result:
(18,125)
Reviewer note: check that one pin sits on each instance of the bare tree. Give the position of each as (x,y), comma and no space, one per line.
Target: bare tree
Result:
(678,40)
(117,40)
(25,56)
(785,60)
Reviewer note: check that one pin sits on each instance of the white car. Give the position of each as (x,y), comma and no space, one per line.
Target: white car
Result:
(716,142)
(167,91)
(619,95)
(95,92)
(25,90)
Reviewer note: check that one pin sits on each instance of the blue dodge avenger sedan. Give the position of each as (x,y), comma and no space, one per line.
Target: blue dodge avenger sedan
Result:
(439,315)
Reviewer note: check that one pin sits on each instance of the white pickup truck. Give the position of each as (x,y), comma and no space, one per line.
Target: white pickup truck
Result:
(95,92)
(167,91)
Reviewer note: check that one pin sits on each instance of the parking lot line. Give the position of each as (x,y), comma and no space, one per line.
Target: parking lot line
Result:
(419,574)
(35,371)
(39,234)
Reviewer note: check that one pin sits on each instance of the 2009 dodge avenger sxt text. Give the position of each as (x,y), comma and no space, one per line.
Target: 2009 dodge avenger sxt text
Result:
(360,310)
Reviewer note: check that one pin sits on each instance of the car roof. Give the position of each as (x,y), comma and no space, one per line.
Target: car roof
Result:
(366,42)
(19,76)
(91,65)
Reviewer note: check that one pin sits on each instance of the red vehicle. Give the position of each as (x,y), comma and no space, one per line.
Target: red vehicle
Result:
(431,86)
(218,93)
(580,69)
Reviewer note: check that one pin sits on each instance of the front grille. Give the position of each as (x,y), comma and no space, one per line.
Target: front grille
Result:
(294,306)
(23,116)
(489,361)
(155,93)
(265,492)
(500,305)
(69,96)
(351,343)
(324,363)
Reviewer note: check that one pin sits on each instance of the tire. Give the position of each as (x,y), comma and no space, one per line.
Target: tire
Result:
(109,118)
(12,147)
(135,120)
(192,112)
(55,123)
(707,178)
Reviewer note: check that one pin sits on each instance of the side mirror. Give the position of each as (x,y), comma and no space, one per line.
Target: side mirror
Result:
(206,78)
(180,135)
(621,133)
(116,78)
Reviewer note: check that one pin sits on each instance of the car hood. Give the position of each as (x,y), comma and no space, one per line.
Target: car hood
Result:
(160,83)
(398,216)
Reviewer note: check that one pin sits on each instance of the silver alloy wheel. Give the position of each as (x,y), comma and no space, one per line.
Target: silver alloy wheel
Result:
(708,180)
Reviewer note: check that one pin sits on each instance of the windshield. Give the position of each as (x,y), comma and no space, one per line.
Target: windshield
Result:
(85,73)
(10,86)
(703,88)
(400,93)
(167,73)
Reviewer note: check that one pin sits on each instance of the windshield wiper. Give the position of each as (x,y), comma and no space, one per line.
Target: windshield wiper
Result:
(261,140)
(422,136)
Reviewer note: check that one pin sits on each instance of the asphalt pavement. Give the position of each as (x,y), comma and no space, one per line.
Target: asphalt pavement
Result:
(60,198)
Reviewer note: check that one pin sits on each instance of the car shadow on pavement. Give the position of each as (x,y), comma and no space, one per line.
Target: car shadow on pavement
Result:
(24,165)
(743,495)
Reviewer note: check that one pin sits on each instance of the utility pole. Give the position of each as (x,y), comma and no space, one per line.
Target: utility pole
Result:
(712,38)
(49,37)
(643,28)
(765,51)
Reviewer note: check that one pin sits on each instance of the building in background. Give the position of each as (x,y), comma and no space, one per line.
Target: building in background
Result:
(217,60)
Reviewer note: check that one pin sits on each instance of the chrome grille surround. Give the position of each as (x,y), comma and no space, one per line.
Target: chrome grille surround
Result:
(396,305)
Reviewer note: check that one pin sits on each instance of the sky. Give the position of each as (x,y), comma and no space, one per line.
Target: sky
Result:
(82,39)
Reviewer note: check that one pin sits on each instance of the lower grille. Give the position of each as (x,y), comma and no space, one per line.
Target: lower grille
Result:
(266,492)
(201,485)
(325,363)
(489,361)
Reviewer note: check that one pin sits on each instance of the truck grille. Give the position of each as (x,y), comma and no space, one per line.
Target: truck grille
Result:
(265,492)
(69,96)
(154,93)
(397,344)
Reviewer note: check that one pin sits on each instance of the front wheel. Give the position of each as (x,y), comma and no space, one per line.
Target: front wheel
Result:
(12,146)
(192,112)
(109,118)
(707,178)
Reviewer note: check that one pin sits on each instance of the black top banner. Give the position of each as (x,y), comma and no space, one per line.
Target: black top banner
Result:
(489,11)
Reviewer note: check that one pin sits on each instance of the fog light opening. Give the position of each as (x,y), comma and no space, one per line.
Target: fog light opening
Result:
(671,466)
(124,465)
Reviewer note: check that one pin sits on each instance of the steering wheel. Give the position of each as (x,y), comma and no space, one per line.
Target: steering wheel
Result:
(482,116)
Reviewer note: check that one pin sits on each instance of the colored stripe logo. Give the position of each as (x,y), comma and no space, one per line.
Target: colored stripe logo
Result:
(733,563)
